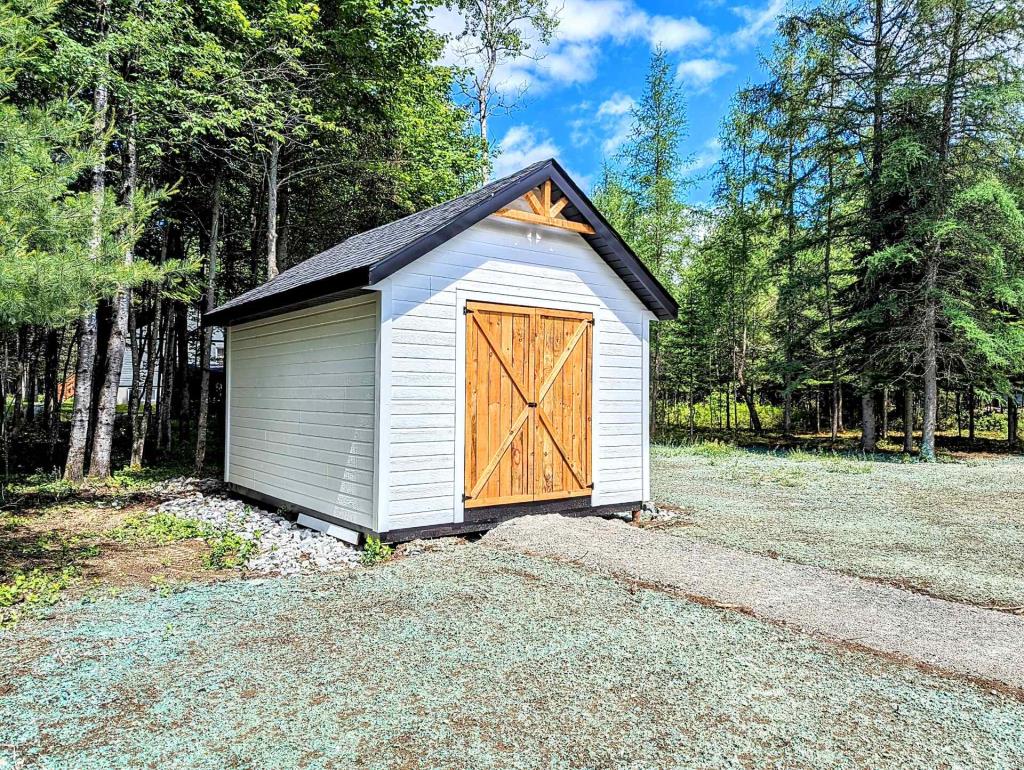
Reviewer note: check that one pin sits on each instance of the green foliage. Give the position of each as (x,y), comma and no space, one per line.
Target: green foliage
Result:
(161,528)
(712,449)
(25,591)
(228,550)
(375,552)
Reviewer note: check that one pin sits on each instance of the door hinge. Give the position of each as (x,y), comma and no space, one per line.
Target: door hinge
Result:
(466,310)
(466,497)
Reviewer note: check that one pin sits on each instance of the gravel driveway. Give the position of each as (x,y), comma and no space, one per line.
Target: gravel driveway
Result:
(959,638)
(952,530)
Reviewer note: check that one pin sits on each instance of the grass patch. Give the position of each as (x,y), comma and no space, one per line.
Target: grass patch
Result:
(711,449)
(228,550)
(161,528)
(953,530)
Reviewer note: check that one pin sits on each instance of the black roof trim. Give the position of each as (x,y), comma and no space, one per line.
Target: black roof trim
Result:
(605,241)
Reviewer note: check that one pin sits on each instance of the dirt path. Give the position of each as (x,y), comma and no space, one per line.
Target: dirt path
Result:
(958,638)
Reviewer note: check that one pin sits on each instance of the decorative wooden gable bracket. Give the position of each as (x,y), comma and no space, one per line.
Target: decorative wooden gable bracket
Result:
(544,212)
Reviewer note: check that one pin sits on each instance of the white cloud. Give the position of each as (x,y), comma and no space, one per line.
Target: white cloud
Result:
(759,23)
(568,64)
(617,104)
(676,34)
(586,27)
(520,147)
(698,74)
(708,155)
(615,117)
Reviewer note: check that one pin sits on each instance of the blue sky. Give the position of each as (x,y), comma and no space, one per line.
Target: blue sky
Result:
(579,95)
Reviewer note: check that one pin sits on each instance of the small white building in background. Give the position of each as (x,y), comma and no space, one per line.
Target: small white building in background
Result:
(479,360)
(124,387)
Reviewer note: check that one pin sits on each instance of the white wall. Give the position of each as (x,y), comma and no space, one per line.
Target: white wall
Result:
(423,331)
(301,408)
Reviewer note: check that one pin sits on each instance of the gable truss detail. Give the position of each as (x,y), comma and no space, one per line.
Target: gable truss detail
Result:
(544,212)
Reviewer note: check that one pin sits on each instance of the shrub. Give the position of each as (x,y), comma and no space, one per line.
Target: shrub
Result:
(374,551)
(228,550)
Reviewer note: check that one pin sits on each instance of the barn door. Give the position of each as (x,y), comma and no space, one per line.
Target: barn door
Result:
(528,397)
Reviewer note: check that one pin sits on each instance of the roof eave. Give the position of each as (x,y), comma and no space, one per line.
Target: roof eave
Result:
(319,292)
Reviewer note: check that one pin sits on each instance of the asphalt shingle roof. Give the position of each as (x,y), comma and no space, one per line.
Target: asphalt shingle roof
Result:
(372,246)
(360,254)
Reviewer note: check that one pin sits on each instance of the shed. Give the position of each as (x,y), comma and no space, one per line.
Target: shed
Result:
(482,359)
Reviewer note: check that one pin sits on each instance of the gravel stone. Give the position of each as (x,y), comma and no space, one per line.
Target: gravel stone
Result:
(282,547)
(952,530)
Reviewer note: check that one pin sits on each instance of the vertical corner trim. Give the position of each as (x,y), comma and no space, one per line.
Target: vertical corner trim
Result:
(382,427)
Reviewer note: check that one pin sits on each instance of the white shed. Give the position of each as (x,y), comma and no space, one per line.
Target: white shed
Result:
(479,360)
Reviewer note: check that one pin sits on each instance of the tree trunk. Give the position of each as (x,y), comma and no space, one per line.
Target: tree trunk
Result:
(283,237)
(1012,420)
(21,374)
(51,407)
(867,404)
(106,415)
(482,115)
(74,468)
(4,449)
(204,353)
(931,281)
(164,438)
(971,407)
(181,378)
(135,393)
(885,414)
(908,419)
(31,376)
(272,169)
(931,365)
(140,422)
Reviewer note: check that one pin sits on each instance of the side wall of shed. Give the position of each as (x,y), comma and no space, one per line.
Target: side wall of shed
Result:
(301,390)
(423,362)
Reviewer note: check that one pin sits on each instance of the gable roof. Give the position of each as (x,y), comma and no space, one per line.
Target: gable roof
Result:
(370,256)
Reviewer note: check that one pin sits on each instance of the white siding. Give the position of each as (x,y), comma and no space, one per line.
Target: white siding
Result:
(301,408)
(502,261)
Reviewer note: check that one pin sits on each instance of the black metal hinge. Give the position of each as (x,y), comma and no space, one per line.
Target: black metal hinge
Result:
(466,311)
(466,497)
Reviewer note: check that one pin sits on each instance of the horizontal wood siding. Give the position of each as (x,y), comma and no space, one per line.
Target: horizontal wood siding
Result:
(503,261)
(301,408)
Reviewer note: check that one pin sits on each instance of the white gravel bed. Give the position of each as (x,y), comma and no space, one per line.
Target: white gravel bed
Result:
(282,547)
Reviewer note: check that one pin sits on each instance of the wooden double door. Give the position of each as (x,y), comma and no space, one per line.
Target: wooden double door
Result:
(528,404)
